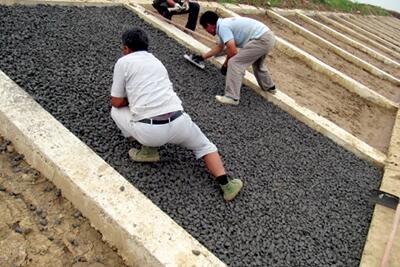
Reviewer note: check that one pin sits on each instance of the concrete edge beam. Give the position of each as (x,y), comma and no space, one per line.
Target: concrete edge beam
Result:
(367,40)
(283,101)
(366,33)
(143,234)
(346,55)
(334,75)
(335,49)
(291,12)
(393,22)
(373,30)
(244,9)
(382,219)
(376,25)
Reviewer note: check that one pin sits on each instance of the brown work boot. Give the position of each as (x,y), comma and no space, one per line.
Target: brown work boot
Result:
(145,154)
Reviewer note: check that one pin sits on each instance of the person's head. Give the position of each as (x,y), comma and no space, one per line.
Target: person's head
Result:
(134,40)
(209,22)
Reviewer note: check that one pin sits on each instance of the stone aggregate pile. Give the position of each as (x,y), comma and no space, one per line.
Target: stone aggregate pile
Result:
(305,200)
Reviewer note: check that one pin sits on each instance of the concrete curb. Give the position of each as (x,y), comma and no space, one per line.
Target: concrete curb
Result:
(393,22)
(383,217)
(346,55)
(368,41)
(372,29)
(335,75)
(376,25)
(366,33)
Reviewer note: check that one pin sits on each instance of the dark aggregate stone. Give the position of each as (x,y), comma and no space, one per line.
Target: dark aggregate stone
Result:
(305,200)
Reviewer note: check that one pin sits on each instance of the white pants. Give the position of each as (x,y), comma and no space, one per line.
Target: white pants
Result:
(181,131)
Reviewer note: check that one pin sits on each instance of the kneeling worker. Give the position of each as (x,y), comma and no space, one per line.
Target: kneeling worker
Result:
(255,41)
(145,107)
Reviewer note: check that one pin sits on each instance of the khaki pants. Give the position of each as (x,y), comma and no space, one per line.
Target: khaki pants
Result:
(253,53)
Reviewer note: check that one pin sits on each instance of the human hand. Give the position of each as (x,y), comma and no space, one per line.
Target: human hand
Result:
(185,5)
(178,7)
(198,58)
(224,69)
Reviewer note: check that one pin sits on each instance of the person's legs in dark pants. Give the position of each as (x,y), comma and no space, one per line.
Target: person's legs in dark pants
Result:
(194,9)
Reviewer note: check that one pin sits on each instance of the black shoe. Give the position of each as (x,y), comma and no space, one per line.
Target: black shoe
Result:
(272,89)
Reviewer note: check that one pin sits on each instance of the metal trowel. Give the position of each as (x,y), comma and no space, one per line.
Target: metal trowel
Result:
(198,64)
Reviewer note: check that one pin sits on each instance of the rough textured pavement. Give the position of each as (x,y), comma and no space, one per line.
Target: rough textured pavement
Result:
(305,201)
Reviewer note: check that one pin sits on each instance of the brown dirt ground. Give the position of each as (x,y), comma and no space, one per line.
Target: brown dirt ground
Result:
(361,41)
(380,27)
(315,91)
(386,88)
(357,39)
(389,25)
(39,227)
(372,30)
(359,73)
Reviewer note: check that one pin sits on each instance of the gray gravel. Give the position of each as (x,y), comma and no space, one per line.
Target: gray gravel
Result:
(306,200)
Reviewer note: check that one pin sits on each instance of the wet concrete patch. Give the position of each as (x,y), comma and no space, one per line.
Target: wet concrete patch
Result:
(306,199)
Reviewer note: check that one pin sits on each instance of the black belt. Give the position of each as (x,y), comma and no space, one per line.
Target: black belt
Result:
(176,114)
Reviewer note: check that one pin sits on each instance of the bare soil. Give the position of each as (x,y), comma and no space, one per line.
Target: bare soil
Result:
(372,30)
(377,25)
(356,52)
(377,49)
(363,119)
(383,87)
(38,226)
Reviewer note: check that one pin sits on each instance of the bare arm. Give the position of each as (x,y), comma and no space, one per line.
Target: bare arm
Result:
(171,3)
(119,102)
(214,50)
(231,50)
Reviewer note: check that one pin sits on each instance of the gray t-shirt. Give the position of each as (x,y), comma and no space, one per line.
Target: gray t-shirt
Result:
(241,29)
(143,79)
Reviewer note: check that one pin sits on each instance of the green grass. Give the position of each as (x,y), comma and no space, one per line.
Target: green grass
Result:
(352,7)
(345,6)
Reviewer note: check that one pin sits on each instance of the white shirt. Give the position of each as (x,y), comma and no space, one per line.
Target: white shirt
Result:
(143,79)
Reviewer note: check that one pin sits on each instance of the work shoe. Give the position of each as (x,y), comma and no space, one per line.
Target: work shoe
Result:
(145,154)
(231,189)
(272,89)
(227,100)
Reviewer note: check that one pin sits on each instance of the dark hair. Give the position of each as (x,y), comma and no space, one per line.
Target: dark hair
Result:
(209,17)
(136,39)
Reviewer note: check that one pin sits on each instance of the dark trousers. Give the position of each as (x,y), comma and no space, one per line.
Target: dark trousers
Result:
(193,11)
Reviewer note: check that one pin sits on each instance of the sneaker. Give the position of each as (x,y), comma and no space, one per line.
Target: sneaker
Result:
(227,100)
(231,189)
(145,154)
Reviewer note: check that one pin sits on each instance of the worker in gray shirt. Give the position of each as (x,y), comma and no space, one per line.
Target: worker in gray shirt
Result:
(255,41)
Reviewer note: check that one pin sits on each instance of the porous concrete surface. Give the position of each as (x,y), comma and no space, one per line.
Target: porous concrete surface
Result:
(305,201)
